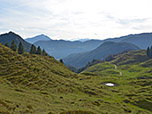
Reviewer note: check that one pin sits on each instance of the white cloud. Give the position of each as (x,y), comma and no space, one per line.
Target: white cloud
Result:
(69,19)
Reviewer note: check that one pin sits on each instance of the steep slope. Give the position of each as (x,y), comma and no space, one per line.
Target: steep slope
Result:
(62,48)
(31,69)
(41,37)
(27,80)
(9,37)
(104,50)
(36,84)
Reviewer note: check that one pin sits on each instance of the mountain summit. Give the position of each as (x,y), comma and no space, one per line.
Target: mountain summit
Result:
(9,37)
(41,37)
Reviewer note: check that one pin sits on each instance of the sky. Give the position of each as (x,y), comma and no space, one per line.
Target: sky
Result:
(76,19)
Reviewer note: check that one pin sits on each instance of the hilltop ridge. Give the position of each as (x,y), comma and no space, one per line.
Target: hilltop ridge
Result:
(9,37)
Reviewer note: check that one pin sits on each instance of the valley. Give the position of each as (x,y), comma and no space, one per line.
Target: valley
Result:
(75,57)
(57,90)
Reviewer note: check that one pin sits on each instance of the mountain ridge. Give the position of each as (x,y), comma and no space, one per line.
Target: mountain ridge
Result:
(107,48)
(10,36)
(62,48)
(142,40)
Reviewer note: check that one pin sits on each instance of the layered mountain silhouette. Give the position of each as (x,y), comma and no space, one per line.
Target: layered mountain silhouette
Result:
(142,40)
(81,59)
(62,48)
(9,37)
(83,40)
(41,37)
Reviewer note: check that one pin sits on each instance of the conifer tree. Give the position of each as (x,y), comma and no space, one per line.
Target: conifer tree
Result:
(20,48)
(6,44)
(13,46)
(38,51)
(61,60)
(33,49)
(149,52)
(44,53)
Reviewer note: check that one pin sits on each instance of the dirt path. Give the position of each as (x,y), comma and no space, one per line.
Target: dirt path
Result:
(117,70)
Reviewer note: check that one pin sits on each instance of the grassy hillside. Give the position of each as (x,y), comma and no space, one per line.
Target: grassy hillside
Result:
(102,69)
(39,75)
(131,57)
(132,77)
(32,84)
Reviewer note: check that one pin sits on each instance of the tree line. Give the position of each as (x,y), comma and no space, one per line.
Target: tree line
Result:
(37,50)
(20,48)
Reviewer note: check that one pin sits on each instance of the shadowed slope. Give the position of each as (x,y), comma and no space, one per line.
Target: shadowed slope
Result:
(9,37)
(81,59)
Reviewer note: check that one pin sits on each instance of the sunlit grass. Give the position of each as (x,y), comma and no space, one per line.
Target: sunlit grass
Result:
(37,84)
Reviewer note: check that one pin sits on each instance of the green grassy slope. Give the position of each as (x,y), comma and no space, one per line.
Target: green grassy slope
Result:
(135,83)
(131,57)
(43,75)
(32,84)
(102,69)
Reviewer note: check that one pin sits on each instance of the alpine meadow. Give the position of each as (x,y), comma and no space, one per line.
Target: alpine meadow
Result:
(75,57)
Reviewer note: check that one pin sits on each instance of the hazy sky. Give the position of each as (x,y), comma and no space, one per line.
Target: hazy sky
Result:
(72,19)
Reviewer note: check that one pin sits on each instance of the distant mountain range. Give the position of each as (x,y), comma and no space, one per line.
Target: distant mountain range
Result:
(141,40)
(9,37)
(62,48)
(81,59)
(41,37)
(83,40)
